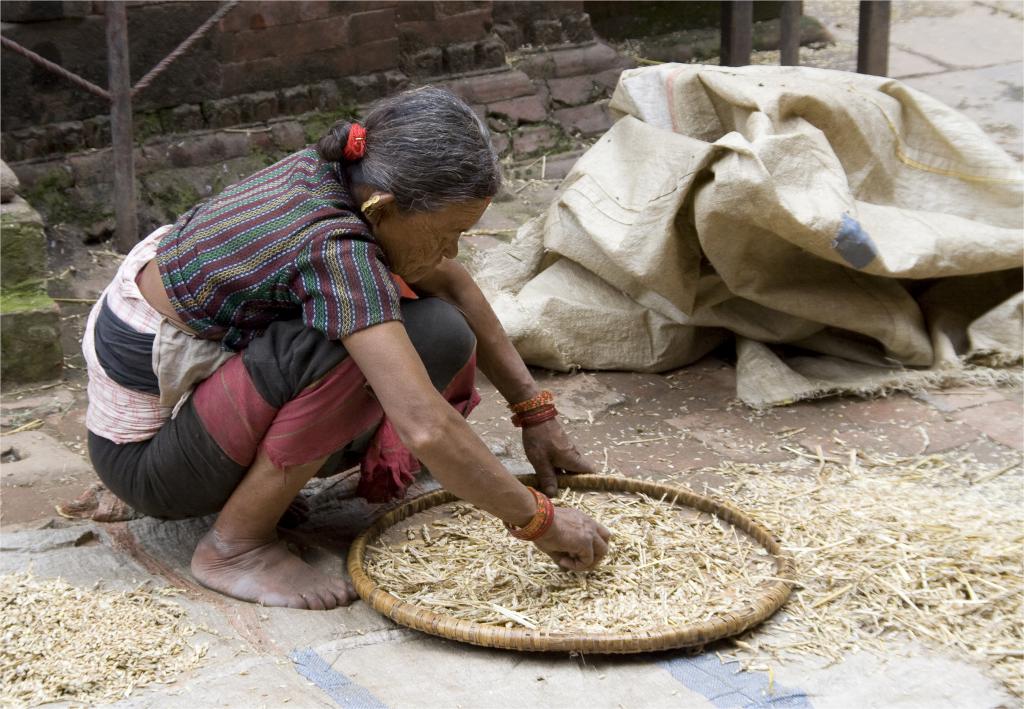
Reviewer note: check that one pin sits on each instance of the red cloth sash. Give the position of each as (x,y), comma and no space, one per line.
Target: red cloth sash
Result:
(321,420)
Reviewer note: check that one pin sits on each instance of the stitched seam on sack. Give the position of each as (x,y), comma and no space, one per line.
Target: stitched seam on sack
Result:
(903,157)
(592,199)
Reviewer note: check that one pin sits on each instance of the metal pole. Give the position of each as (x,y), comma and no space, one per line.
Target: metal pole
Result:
(120,86)
(873,38)
(737,32)
(789,43)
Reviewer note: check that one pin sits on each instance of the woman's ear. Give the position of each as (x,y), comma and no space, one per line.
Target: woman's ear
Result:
(377,206)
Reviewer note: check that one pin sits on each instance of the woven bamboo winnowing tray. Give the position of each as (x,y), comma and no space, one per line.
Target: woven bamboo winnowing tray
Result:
(418,617)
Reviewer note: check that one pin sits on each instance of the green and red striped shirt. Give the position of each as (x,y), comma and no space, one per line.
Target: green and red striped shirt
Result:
(284,243)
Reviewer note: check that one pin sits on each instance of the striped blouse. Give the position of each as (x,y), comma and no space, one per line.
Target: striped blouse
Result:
(283,243)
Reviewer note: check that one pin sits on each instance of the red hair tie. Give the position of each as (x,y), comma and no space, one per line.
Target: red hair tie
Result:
(355,146)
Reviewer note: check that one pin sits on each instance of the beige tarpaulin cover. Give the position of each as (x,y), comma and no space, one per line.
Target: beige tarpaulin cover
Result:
(873,231)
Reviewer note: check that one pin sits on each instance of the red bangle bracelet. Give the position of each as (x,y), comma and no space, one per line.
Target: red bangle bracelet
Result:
(549,519)
(541,521)
(533,418)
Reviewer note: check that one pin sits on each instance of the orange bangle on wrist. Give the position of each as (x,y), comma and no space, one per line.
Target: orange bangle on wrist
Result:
(545,398)
(539,524)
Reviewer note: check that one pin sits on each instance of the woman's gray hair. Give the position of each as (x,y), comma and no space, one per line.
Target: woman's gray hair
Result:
(424,146)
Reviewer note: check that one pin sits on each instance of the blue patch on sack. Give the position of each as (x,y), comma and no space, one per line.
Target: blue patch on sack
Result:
(854,244)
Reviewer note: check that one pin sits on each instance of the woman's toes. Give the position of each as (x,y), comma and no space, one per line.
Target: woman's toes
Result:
(344,592)
(313,601)
(327,598)
(297,602)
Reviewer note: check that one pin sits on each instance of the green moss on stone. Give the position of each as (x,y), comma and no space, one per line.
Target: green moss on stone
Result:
(264,158)
(49,195)
(175,196)
(217,183)
(30,348)
(18,301)
(22,252)
(146,125)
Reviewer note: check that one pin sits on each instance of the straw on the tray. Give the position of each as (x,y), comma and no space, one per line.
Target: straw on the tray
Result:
(664,569)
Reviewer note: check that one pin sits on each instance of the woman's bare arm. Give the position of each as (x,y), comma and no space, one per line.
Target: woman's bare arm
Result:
(496,356)
(433,431)
(441,439)
(548,447)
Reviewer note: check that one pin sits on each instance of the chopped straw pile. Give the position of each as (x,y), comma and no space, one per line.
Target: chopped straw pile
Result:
(927,547)
(930,548)
(62,643)
(666,566)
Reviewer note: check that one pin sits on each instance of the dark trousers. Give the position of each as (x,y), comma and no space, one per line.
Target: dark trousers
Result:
(195,461)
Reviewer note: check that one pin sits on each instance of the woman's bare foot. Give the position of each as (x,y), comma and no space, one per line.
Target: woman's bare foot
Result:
(265,572)
(98,504)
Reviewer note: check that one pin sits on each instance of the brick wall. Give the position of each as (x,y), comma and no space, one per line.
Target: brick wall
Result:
(554,102)
(268,59)
(539,24)
(271,45)
(262,45)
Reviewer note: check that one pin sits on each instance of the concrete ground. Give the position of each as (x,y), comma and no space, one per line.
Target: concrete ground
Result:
(670,425)
(966,54)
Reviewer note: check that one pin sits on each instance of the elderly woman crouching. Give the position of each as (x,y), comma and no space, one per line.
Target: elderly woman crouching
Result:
(271,334)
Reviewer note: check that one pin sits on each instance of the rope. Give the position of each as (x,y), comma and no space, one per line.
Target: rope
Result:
(183,47)
(55,68)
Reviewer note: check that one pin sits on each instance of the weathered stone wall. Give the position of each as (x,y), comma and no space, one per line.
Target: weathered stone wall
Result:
(245,68)
(540,24)
(30,348)
(277,75)
(550,102)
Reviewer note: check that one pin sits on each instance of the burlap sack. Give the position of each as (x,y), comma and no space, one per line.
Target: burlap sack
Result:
(847,215)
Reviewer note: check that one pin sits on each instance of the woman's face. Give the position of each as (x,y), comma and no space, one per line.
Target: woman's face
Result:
(416,242)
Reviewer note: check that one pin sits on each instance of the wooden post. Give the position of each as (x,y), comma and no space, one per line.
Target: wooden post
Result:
(737,32)
(873,38)
(789,42)
(120,86)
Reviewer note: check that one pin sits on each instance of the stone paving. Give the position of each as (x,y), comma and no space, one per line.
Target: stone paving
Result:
(661,425)
(966,54)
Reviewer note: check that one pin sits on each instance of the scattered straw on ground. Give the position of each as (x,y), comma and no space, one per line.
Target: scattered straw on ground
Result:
(926,547)
(886,548)
(62,643)
(667,567)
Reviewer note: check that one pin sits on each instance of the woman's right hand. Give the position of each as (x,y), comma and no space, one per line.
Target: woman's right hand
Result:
(575,542)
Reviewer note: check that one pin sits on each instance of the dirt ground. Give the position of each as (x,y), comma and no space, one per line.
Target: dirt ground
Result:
(674,425)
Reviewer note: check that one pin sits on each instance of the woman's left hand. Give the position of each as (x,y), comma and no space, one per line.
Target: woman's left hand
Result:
(548,449)
(550,452)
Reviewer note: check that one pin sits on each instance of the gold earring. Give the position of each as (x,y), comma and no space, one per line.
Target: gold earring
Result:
(371,205)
